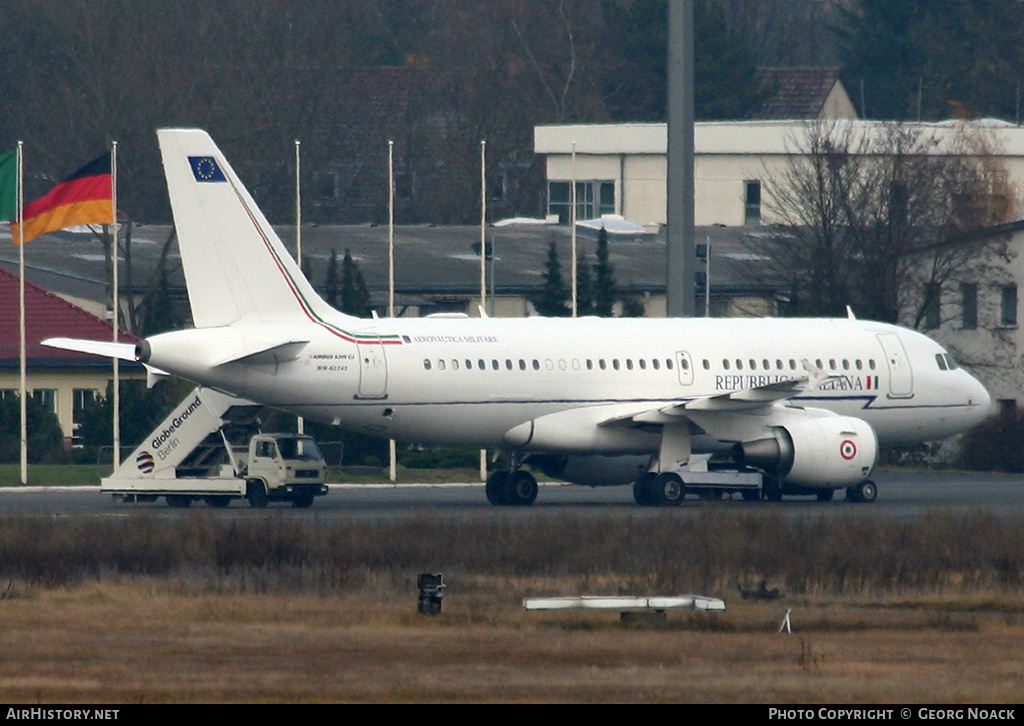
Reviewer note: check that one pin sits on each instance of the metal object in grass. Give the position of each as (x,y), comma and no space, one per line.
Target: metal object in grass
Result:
(431,585)
(626,603)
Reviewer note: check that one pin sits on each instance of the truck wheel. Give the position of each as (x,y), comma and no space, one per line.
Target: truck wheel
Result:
(217,502)
(179,501)
(303,501)
(256,493)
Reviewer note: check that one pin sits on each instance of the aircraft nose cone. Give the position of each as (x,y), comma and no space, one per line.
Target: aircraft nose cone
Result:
(983,401)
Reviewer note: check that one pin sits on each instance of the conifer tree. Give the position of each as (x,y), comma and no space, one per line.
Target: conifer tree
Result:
(332,286)
(355,298)
(605,293)
(551,300)
(584,285)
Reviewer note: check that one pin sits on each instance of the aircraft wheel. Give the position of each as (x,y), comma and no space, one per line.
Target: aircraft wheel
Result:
(866,491)
(495,487)
(751,495)
(642,490)
(520,489)
(826,495)
(667,490)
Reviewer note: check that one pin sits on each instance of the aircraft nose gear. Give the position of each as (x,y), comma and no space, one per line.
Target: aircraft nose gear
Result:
(518,488)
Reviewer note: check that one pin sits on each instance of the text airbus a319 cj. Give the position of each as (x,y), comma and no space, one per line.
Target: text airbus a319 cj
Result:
(662,403)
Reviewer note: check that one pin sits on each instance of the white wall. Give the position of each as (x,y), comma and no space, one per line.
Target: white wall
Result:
(727,155)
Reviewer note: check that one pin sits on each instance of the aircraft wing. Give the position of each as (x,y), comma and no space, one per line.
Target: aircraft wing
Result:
(744,399)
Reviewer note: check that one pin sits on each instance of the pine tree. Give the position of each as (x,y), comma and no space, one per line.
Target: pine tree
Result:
(332,286)
(551,300)
(605,293)
(355,298)
(584,285)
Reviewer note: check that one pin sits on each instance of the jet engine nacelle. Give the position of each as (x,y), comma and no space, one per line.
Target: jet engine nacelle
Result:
(591,470)
(819,452)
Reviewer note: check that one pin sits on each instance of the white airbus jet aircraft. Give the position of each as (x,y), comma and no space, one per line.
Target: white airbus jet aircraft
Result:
(806,401)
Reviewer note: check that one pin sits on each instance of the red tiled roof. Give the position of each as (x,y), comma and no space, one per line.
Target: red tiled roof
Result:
(798,92)
(46,316)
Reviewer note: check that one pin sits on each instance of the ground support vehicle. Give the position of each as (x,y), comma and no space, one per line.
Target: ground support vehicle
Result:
(210,448)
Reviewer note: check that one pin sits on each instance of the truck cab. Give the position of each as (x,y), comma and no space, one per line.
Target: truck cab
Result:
(285,467)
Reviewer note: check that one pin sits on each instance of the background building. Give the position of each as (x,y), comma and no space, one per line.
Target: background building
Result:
(62,380)
(621,168)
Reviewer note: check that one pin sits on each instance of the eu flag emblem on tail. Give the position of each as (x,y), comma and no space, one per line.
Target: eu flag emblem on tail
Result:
(205,169)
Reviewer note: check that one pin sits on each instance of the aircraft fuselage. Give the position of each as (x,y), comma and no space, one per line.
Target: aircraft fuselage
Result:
(466,382)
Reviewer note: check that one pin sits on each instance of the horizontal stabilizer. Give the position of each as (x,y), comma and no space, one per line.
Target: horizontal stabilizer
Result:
(104,349)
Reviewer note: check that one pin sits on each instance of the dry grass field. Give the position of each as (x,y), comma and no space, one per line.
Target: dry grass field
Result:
(143,610)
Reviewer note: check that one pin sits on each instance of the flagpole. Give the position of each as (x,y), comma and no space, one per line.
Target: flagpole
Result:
(572,222)
(22,362)
(300,424)
(483,264)
(117,306)
(392,447)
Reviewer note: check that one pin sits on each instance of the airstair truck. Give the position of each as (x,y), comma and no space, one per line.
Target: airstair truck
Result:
(210,448)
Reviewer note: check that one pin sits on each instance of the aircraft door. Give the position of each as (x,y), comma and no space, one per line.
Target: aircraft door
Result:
(901,378)
(685,367)
(373,370)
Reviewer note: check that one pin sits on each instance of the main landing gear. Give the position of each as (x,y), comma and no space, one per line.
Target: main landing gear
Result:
(516,488)
(659,490)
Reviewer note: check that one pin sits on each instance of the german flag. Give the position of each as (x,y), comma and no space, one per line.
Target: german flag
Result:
(85,197)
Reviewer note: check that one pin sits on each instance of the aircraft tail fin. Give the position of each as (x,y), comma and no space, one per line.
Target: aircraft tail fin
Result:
(235,265)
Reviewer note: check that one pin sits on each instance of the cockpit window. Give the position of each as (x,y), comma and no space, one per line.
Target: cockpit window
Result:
(945,362)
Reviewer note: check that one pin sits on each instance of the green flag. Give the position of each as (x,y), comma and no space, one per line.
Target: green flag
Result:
(9,187)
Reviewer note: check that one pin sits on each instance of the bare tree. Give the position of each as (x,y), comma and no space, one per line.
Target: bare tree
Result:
(880,218)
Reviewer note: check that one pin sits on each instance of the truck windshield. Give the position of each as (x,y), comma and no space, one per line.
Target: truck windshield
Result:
(298,448)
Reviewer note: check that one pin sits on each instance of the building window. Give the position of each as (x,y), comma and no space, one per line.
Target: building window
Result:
(968,306)
(752,203)
(932,305)
(47,397)
(593,198)
(1008,306)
